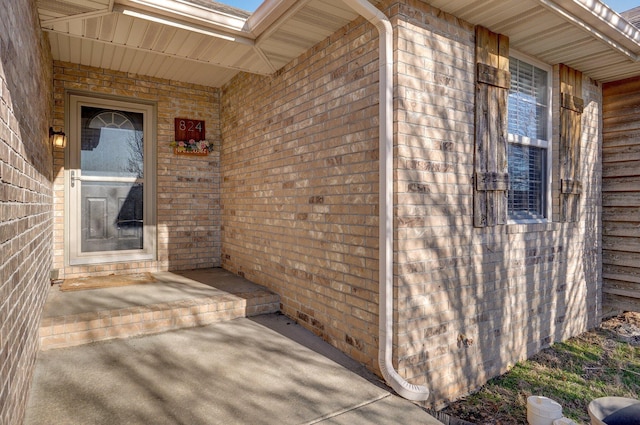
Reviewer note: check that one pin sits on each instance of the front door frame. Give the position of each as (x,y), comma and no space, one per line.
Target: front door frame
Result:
(73,101)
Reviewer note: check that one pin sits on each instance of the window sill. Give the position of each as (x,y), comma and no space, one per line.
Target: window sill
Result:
(528,226)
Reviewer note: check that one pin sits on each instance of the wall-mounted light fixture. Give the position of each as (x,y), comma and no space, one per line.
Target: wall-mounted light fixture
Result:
(58,138)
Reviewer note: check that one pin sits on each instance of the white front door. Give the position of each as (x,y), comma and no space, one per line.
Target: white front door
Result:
(110,181)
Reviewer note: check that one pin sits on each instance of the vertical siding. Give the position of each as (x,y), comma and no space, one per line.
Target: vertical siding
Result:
(621,196)
(25,198)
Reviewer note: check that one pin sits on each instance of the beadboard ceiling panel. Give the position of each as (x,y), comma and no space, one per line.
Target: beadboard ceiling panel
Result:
(204,42)
(99,33)
(559,31)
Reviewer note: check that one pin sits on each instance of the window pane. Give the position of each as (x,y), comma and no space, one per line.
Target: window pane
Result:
(527,167)
(528,100)
(111,143)
(528,115)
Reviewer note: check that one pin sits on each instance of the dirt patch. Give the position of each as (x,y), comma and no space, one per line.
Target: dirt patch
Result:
(598,363)
(625,326)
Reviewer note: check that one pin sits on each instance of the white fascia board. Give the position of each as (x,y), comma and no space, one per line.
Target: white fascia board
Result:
(266,15)
(603,22)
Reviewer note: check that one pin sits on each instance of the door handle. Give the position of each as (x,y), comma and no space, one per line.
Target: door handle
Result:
(73,178)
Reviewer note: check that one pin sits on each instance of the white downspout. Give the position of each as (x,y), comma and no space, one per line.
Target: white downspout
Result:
(385,361)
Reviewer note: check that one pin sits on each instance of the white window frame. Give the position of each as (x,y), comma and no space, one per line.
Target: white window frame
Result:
(546,144)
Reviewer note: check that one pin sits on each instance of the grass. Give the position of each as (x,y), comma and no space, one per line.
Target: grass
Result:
(573,373)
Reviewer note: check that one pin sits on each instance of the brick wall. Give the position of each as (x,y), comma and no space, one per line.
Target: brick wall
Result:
(473,301)
(25,199)
(188,208)
(300,186)
(300,194)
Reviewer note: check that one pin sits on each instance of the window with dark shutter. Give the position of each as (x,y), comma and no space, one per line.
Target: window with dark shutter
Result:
(491,179)
(571,107)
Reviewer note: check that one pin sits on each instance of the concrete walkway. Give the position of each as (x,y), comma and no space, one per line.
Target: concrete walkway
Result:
(261,370)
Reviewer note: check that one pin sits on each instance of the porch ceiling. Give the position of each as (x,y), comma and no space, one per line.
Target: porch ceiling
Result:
(203,42)
(196,41)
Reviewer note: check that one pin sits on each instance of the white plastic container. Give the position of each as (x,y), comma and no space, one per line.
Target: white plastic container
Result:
(542,410)
(604,407)
(563,421)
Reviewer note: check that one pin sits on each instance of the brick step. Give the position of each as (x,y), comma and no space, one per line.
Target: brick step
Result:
(84,328)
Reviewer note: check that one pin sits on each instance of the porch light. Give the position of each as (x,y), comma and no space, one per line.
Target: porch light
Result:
(177,24)
(58,138)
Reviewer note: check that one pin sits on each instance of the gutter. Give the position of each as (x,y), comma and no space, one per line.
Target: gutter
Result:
(385,344)
(621,30)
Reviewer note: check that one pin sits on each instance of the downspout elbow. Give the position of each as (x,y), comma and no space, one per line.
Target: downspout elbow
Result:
(385,361)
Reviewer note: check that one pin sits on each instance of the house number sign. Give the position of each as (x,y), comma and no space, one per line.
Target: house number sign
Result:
(190,138)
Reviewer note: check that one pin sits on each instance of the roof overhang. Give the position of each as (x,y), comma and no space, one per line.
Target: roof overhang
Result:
(207,43)
(584,34)
(194,41)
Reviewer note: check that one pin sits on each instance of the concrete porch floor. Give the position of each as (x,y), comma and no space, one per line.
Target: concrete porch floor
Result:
(248,370)
(174,301)
(170,286)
